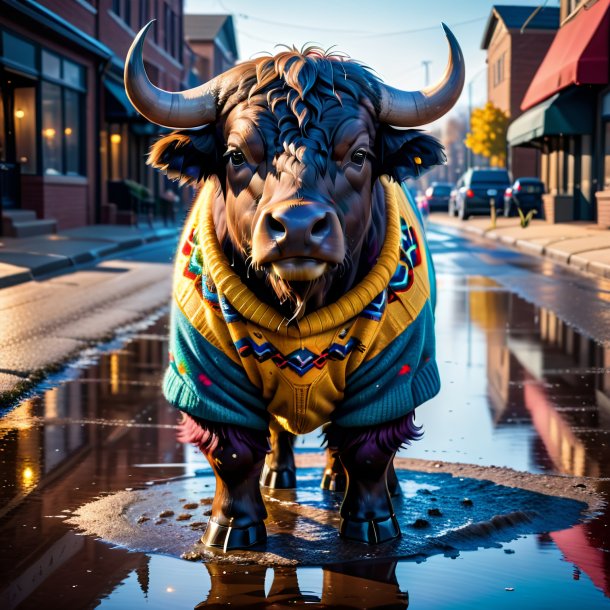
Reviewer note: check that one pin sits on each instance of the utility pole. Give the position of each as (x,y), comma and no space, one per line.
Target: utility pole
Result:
(426,64)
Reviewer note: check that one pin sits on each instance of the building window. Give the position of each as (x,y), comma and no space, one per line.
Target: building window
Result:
(51,130)
(62,116)
(116,7)
(167,25)
(144,19)
(498,70)
(127,14)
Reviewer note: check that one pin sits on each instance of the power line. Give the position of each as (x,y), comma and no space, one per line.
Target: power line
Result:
(247,17)
(426,29)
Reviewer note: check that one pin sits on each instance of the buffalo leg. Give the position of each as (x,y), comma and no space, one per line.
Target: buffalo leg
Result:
(279,471)
(367,514)
(334,478)
(236,456)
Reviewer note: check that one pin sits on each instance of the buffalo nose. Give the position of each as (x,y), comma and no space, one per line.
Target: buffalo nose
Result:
(298,224)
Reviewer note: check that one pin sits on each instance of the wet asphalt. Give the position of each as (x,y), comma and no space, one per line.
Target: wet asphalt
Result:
(523,346)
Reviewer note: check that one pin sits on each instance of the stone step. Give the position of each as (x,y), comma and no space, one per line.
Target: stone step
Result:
(18,215)
(30,228)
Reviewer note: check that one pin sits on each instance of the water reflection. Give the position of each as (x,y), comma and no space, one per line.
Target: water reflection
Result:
(542,370)
(108,429)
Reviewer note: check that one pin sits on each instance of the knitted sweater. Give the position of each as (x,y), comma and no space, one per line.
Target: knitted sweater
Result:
(365,359)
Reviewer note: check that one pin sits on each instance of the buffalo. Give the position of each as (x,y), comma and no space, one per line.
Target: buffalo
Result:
(303,287)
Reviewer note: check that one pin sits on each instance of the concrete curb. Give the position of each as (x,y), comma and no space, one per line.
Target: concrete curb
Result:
(26,259)
(581,247)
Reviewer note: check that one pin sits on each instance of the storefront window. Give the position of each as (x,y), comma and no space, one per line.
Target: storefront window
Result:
(51,130)
(51,65)
(61,131)
(25,128)
(73,74)
(72,135)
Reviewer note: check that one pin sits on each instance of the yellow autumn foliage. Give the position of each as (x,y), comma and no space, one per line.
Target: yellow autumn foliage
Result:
(487,135)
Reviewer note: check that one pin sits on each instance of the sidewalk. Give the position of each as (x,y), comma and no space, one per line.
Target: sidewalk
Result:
(580,245)
(24,259)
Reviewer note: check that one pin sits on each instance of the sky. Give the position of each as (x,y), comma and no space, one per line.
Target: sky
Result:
(393,37)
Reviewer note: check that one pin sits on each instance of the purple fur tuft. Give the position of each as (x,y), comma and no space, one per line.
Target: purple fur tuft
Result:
(388,438)
(209,435)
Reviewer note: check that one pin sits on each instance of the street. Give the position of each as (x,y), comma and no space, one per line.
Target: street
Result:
(522,346)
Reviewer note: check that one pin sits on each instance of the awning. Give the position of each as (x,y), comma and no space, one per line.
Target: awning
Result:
(568,113)
(118,106)
(577,56)
(35,14)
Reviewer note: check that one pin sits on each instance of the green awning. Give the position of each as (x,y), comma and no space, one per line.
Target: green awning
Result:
(569,113)
(118,106)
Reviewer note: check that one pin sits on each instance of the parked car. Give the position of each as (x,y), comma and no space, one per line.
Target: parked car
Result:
(525,193)
(478,188)
(437,196)
(418,203)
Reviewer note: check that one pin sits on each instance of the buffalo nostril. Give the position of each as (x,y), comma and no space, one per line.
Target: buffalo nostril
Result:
(275,227)
(320,227)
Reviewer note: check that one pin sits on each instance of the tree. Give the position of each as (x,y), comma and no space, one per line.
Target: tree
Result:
(487,135)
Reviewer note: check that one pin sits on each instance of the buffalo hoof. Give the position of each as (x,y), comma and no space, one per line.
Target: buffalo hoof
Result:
(333,481)
(373,531)
(231,538)
(278,479)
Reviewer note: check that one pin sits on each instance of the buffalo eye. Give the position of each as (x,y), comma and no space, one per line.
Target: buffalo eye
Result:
(359,156)
(236,157)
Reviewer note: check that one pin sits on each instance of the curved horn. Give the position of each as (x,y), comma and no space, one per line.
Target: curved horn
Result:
(180,110)
(410,108)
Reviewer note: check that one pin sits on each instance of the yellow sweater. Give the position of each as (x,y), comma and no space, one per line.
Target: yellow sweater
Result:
(233,357)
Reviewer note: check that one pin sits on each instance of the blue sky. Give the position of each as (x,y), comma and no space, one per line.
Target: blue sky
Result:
(391,36)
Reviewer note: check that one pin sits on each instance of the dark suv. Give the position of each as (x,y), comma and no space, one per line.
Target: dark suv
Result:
(477,189)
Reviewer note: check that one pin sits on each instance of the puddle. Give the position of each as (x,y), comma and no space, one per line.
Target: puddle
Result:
(534,395)
(461,514)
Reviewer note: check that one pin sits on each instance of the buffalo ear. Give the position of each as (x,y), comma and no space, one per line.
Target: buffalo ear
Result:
(188,156)
(407,153)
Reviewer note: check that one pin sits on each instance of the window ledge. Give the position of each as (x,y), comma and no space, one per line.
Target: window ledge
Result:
(61,179)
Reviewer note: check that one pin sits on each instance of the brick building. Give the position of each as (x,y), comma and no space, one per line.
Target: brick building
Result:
(516,39)
(212,39)
(567,115)
(72,148)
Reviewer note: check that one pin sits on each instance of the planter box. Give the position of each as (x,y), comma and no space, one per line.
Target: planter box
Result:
(603,209)
(558,208)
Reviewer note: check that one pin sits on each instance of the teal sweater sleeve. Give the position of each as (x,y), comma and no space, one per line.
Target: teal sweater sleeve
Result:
(393,383)
(204,382)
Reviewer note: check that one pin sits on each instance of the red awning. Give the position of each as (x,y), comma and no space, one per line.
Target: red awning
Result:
(577,56)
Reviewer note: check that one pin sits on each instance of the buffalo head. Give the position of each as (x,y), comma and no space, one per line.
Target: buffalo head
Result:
(296,142)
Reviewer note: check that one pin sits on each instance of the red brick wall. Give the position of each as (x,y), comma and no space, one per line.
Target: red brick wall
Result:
(528,51)
(500,44)
(63,201)
(118,36)
(57,197)
(523,54)
(524,162)
(78,12)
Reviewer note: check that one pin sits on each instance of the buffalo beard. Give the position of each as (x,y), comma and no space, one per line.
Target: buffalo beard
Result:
(295,294)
